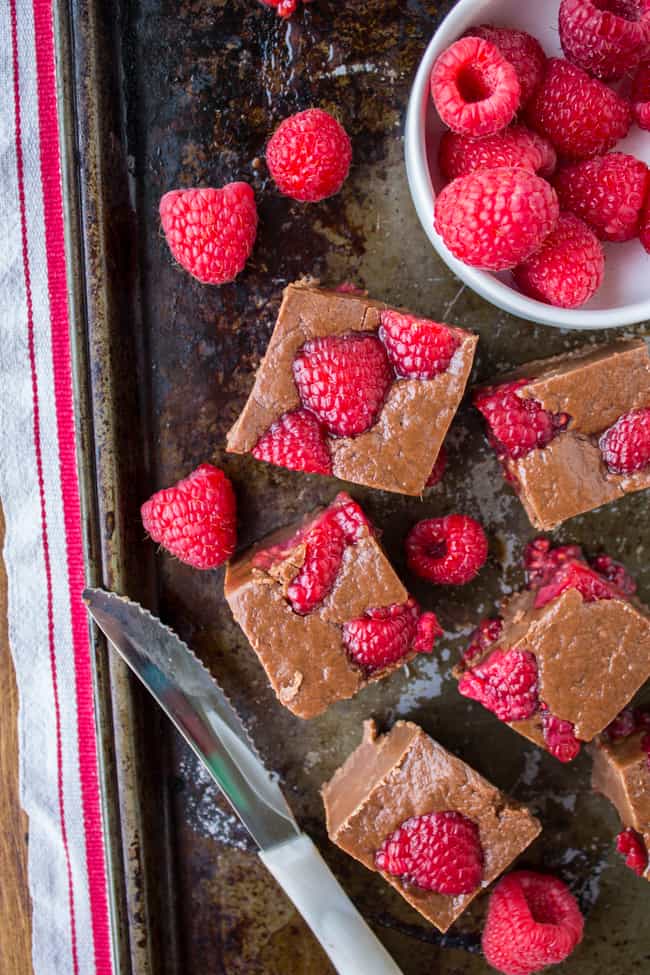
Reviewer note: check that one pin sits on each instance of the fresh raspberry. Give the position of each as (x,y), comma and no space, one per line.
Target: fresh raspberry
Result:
(504,683)
(630,845)
(297,441)
(523,51)
(533,920)
(605,37)
(580,115)
(607,192)
(418,348)
(284,8)
(309,156)
(640,96)
(438,469)
(516,146)
(541,561)
(626,445)
(623,725)
(385,635)
(324,543)
(614,572)
(438,851)
(195,519)
(210,232)
(567,269)
(517,425)
(448,551)
(486,633)
(559,737)
(576,575)
(344,380)
(495,218)
(644,224)
(474,88)
(350,288)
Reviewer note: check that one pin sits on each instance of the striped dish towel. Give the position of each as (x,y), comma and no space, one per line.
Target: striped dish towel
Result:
(40,494)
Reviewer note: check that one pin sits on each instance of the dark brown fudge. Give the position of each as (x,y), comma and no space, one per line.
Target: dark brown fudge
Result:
(405,773)
(588,643)
(586,392)
(621,772)
(398,451)
(309,656)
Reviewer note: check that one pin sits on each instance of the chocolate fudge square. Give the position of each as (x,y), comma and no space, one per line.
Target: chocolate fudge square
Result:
(565,655)
(549,422)
(419,372)
(403,774)
(324,610)
(621,772)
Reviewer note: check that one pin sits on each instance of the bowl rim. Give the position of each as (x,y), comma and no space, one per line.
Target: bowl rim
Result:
(423,196)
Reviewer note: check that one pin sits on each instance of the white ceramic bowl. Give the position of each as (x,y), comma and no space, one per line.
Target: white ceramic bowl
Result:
(624,296)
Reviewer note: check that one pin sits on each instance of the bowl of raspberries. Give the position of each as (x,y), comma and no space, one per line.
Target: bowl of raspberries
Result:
(527,150)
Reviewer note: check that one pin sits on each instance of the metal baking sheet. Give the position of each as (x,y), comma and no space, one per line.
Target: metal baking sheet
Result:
(170,93)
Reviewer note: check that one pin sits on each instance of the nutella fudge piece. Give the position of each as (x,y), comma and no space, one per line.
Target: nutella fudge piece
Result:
(324,610)
(621,772)
(392,778)
(559,427)
(565,655)
(352,388)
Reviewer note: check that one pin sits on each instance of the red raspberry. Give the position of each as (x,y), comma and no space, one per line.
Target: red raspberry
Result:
(309,155)
(580,115)
(614,572)
(284,8)
(559,737)
(515,146)
(607,192)
(486,633)
(385,635)
(630,845)
(533,920)
(350,518)
(517,424)
(344,380)
(448,551)
(195,519)
(504,683)
(496,218)
(576,575)
(626,445)
(474,88)
(623,725)
(297,441)
(523,51)
(438,469)
(541,562)
(324,543)
(644,224)
(418,348)
(641,96)
(567,269)
(210,232)
(438,851)
(605,37)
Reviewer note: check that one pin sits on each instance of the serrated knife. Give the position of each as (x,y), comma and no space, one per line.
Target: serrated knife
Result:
(201,712)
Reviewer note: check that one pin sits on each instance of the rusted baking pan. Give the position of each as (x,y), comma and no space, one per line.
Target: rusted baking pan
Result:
(161,94)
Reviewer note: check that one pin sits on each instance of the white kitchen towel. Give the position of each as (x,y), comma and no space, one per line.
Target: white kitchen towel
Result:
(40,495)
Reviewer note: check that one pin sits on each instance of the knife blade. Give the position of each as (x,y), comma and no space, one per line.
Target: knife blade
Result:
(203,715)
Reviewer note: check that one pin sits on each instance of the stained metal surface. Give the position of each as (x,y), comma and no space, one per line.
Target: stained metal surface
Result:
(195,88)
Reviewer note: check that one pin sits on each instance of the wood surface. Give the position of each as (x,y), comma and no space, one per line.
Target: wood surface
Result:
(15,905)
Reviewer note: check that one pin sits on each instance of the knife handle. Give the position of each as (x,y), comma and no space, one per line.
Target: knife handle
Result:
(352,947)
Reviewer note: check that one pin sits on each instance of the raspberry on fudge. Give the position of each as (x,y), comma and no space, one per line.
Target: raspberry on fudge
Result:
(417,348)
(580,115)
(309,156)
(533,920)
(625,446)
(298,441)
(195,520)
(517,424)
(607,38)
(607,192)
(631,846)
(495,218)
(385,635)
(474,88)
(505,682)
(439,851)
